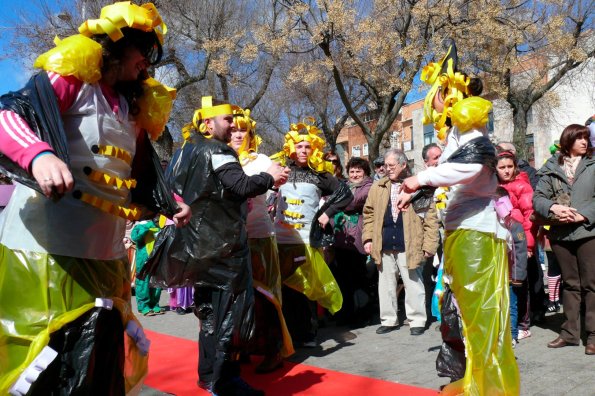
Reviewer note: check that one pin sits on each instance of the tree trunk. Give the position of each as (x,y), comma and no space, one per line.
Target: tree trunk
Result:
(519,137)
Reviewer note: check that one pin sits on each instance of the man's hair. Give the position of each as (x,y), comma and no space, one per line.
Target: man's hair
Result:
(398,154)
(427,147)
(357,162)
(379,161)
(506,146)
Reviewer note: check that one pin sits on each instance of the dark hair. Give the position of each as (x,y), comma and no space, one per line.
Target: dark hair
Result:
(427,147)
(475,87)
(568,137)
(114,52)
(357,162)
(508,155)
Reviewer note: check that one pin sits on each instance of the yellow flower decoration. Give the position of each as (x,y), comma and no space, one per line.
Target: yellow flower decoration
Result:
(155,104)
(116,16)
(305,131)
(471,113)
(453,86)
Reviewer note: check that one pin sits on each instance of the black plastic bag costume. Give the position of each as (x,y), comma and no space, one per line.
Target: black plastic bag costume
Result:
(320,237)
(210,253)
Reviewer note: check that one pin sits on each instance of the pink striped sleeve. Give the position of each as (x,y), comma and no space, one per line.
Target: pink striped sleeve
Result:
(17,141)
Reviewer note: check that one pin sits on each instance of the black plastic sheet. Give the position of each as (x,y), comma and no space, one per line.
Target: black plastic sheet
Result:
(38,105)
(477,151)
(320,237)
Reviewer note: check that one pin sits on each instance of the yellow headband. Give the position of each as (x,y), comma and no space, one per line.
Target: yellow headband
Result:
(207,110)
(454,83)
(116,16)
(301,132)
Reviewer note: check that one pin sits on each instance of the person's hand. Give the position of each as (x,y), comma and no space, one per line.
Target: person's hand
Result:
(577,217)
(52,174)
(183,216)
(410,185)
(403,201)
(427,255)
(323,220)
(368,247)
(279,173)
(563,213)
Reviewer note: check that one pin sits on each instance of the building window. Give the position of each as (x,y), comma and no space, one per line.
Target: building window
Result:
(530,144)
(429,134)
(490,124)
(356,151)
(365,153)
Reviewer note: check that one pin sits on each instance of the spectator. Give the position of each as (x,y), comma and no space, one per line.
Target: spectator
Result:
(334,159)
(399,242)
(349,266)
(517,259)
(431,154)
(572,172)
(379,169)
(516,182)
(521,163)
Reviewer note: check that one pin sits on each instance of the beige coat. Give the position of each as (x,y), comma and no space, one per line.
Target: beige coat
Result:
(421,234)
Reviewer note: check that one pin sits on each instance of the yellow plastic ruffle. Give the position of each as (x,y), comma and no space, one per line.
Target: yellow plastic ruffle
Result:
(476,263)
(77,56)
(267,280)
(471,113)
(315,280)
(155,104)
(40,293)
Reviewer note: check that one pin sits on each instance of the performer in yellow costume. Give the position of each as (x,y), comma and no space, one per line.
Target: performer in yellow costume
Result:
(64,277)
(298,223)
(475,263)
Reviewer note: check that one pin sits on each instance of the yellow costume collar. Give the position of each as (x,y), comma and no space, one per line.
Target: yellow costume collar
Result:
(453,86)
(305,131)
(116,16)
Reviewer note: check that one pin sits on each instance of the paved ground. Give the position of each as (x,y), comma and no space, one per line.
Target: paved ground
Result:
(406,359)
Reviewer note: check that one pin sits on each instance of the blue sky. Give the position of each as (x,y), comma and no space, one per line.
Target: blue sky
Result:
(12,74)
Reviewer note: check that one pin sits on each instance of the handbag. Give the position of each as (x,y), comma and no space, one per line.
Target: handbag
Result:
(560,197)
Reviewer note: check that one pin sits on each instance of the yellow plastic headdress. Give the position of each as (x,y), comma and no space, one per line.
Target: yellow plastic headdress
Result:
(452,84)
(247,151)
(207,110)
(471,113)
(305,131)
(116,16)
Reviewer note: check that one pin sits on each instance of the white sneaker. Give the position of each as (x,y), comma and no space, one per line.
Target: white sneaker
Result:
(514,343)
(524,334)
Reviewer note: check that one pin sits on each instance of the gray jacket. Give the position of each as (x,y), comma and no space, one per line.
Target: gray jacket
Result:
(582,193)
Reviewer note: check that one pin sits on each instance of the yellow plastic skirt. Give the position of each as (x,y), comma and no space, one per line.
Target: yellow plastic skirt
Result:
(267,281)
(477,265)
(313,277)
(40,293)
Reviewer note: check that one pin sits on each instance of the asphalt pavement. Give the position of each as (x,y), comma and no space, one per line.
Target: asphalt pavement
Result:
(403,358)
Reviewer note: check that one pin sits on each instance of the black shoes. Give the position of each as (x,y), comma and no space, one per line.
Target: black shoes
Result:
(386,329)
(553,306)
(415,331)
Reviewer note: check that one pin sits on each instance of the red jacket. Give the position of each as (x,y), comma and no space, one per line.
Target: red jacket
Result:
(521,197)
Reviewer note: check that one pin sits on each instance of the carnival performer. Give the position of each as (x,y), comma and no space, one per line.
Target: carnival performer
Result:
(305,274)
(212,252)
(475,261)
(64,277)
(271,336)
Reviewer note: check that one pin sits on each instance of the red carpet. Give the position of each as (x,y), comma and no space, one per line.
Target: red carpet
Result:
(173,363)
